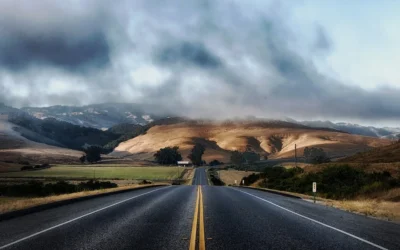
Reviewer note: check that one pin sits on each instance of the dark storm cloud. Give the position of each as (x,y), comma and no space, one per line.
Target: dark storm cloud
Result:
(21,51)
(193,53)
(218,62)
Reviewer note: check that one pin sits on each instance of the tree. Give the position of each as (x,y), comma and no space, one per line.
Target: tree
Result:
(93,153)
(196,154)
(315,155)
(168,155)
(251,157)
(237,158)
(82,159)
(215,163)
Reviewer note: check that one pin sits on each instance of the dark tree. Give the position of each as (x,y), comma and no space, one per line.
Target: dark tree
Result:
(82,159)
(250,157)
(215,163)
(168,155)
(237,158)
(315,155)
(93,153)
(196,154)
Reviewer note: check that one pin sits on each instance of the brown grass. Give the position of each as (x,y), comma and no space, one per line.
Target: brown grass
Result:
(378,208)
(389,153)
(229,176)
(8,204)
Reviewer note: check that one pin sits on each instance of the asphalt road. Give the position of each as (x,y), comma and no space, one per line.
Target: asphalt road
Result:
(165,217)
(200,177)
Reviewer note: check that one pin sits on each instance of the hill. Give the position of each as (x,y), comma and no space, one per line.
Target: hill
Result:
(100,116)
(385,154)
(59,133)
(388,133)
(273,138)
(16,148)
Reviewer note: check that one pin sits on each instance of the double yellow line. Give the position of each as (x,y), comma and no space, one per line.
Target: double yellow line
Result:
(198,219)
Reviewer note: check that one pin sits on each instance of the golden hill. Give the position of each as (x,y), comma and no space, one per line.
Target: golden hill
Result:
(275,139)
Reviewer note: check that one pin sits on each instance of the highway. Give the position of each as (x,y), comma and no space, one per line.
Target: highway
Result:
(197,217)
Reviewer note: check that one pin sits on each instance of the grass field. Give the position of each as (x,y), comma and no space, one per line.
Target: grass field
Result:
(103,172)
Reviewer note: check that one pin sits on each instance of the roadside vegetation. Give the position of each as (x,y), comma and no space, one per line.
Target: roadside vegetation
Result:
(214,177)
(40,189)
(8,204)
(100,171)
(334,181)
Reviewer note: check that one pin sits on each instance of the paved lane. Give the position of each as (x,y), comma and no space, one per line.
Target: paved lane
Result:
(178,217)
(158,218)
(238,220)
(200,176)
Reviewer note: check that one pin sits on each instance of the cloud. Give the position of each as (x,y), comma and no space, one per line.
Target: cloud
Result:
(185,53)
(322,41)
(214,60)
(19,52)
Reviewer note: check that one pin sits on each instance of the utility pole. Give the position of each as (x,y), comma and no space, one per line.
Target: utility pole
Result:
(295,154)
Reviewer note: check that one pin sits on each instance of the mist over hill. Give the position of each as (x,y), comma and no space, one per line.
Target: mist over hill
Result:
(100,116)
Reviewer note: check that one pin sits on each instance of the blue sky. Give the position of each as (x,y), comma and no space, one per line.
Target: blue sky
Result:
(217,59)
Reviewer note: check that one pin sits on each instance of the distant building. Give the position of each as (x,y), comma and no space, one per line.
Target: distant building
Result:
(183,163)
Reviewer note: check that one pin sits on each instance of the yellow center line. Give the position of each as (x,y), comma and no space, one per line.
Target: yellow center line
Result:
(202,242)
(200,216)
(193,236)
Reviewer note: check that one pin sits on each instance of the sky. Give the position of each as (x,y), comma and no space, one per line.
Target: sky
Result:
(303,59)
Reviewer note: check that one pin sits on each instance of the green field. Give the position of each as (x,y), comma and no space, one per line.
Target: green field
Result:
(101,171)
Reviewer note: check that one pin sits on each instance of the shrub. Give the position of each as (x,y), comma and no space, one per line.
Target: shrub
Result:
(26,168)
(336,182)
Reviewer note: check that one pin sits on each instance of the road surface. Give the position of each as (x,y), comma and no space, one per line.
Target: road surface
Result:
(200,177)
(197,217)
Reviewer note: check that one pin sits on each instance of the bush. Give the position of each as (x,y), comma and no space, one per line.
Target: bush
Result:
(26,168)
(215,163)
(336,182)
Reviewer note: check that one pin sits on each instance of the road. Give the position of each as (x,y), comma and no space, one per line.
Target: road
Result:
(197,217)
(200,177)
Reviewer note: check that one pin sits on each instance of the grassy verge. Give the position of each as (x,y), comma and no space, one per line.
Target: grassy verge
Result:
(370,207)
(100,172)
(8,204)
(188,176)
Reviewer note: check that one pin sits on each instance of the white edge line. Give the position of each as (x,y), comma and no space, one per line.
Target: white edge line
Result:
(77,218)
(318,222)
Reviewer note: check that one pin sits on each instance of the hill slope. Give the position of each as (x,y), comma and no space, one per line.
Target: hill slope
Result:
(385,154)
(14,147)
(274,138)
(59,133)
(100,116)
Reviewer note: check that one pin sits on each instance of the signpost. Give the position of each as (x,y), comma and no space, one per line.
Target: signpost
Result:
(314,189)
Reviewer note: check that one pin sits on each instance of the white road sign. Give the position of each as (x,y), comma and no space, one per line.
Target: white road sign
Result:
(314,187)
